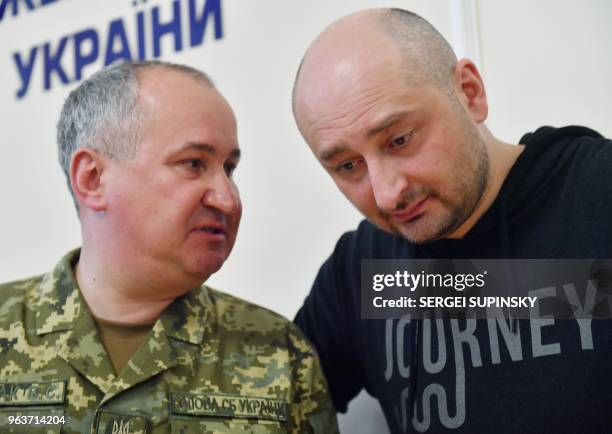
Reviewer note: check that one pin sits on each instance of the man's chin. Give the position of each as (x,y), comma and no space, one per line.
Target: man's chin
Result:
(415,232)
(201,270)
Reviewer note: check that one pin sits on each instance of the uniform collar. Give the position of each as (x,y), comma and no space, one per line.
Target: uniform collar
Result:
(60,304)
(61,308)
(190,317)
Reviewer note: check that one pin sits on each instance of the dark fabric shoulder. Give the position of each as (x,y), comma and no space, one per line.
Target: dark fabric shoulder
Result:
(569,151)
(548,134)
(556,166)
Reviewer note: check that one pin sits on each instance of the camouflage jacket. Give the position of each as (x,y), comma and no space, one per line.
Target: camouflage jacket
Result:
(211,364)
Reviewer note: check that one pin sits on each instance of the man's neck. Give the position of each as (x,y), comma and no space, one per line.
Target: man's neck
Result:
(502,158)
(108,299)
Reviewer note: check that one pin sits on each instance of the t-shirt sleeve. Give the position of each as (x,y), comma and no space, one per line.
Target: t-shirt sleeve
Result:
(328,319)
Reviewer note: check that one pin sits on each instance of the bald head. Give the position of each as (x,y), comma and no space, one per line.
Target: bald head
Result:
(395,120)
(374,39)
(422,45)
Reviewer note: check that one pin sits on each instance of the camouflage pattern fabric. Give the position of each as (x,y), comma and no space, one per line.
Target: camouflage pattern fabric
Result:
(212,364)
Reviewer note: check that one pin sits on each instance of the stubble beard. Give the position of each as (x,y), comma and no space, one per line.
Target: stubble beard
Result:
(470,178)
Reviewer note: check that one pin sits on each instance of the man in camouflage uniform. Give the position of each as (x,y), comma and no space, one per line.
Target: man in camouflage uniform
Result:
(121,337)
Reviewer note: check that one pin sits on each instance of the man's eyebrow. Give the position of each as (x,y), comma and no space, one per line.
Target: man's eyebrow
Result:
(210,149)
(388,122)
(327,154)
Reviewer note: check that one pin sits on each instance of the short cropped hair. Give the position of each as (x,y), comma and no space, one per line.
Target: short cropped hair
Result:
(421,44)
(103,114)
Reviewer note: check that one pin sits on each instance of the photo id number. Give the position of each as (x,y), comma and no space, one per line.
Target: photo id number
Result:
(36,420)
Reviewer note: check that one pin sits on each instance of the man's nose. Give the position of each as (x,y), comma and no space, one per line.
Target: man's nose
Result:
(388,185)
(222,194)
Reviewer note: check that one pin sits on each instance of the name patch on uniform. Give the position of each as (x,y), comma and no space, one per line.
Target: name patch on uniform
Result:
(32,392)
(112,423)
(228,406)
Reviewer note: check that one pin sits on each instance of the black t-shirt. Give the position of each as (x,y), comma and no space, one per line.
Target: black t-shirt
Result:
(483,376)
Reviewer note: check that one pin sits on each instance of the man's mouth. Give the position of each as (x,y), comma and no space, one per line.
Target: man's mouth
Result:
(210,230)
(411,212)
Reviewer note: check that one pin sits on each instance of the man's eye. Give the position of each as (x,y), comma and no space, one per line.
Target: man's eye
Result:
(229,169)
(193,164)
(400,141)
(349,165)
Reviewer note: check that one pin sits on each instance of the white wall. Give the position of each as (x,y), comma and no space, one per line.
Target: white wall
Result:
(545,62)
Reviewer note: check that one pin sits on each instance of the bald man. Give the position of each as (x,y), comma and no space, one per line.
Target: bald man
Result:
(398,122)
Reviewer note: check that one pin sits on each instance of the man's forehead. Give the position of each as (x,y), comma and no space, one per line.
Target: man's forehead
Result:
(159,83)
(179,96)
(340,52)
(364,99)
(186,113)
(336,67)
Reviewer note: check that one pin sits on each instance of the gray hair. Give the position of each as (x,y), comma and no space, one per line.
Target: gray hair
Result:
(103,114)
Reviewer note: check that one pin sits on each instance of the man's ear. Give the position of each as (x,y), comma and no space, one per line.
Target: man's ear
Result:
(470,89)
(86,168)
